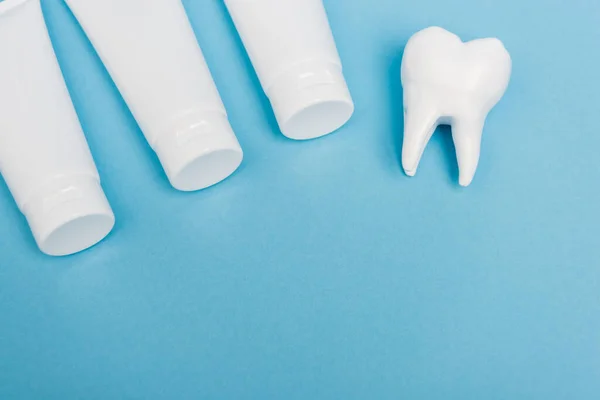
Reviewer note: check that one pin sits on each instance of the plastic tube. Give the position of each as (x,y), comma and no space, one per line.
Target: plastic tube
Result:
(44,157)
(151,53)
(293,52)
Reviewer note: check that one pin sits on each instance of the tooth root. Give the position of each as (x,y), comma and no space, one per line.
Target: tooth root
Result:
(467,133)
(420,122)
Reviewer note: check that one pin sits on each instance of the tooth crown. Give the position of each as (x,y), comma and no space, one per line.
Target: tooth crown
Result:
(479,69)
(448,81)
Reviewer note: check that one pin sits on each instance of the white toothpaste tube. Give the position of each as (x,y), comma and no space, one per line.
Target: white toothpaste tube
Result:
(44,157)
(295,57)
(151,53)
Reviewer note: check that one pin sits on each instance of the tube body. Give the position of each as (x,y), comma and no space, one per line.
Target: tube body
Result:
(151,53)
(292,49)
(44,157)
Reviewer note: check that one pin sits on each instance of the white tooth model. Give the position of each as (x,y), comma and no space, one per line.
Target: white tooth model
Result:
(44,156)
(447,81)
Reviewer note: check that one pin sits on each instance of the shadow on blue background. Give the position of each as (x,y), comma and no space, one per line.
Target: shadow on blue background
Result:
(319,270)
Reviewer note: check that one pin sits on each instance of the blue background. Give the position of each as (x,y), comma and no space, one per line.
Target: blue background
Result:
(319,270)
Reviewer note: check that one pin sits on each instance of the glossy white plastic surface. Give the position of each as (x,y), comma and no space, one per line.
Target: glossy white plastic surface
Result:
(447,81)
(151,53)
(295,57)
(44,156)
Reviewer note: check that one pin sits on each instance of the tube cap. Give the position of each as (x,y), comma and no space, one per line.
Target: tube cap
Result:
(311,100)
(200,151)
(69,214)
